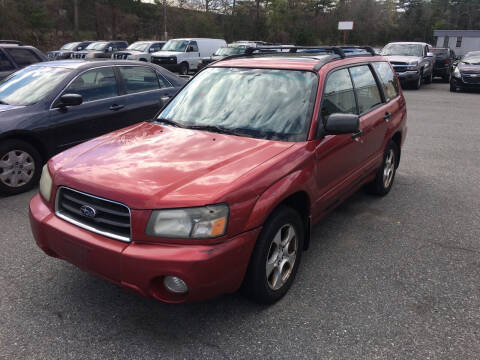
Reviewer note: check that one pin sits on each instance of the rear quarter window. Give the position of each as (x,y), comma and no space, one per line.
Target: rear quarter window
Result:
(138,79)
(387,77)
(23,57)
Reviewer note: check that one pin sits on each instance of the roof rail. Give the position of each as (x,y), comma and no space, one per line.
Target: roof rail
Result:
(293,49)
(14,42)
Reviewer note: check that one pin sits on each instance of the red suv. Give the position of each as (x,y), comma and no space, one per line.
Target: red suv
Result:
(221,189)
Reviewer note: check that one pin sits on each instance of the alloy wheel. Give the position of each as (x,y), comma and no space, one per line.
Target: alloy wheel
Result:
(281,256)
(17,168)
(389,168)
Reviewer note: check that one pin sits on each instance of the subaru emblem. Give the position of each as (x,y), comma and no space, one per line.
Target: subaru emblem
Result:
(88,211)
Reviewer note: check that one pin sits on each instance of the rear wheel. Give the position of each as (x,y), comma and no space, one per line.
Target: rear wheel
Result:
(383,182)
(20,167)
(276,257)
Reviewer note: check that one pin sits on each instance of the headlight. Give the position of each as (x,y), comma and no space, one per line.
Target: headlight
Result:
(412,66)
(133,57)
(199,222)
(46,184)
(457,73)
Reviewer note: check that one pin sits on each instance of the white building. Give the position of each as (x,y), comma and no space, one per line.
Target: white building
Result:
(460,41)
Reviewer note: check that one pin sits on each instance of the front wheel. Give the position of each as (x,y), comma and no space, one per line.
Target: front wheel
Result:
(429,78)
(453,87)
(20,167)
(276,257)
(417,84)
(383,181)
(183,68)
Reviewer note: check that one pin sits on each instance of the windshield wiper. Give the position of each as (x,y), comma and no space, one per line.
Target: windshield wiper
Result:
(170,122)
(215,128)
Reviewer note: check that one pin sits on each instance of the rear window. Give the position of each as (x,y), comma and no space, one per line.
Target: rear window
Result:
(389,83)
(5,64)
(440,51)
(23,57)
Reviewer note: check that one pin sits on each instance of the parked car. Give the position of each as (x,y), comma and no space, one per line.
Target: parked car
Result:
(183,55)
(413,62)
(67,50)
(100,50)
(466,73)
(49,107)
(223,187)
(14,56)
(444,59)
(140,50)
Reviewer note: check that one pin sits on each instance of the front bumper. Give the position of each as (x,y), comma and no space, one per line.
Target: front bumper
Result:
(408,76)
(208,270)
(463,84)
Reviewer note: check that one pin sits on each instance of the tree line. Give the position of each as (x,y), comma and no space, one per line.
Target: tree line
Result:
(49,23)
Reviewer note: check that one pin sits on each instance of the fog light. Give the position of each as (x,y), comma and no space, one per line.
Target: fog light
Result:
(175,284)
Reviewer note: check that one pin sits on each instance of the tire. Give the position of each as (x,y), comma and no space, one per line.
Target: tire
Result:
(21,157)
(453,87)
(418,84)
(265,288)
(383,181)
(144,60)
(446,78)
(183,68)
(429,78)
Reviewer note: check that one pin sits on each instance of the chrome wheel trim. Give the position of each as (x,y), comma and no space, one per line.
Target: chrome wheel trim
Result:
(17,168)
(281,257)
(389,168)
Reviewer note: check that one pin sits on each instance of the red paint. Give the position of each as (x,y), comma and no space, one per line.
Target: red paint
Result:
(149,166)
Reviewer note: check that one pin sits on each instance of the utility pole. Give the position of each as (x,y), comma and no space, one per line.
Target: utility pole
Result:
(165,34)
(75,17)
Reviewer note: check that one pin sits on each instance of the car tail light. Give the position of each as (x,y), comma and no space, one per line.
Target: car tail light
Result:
(447,62)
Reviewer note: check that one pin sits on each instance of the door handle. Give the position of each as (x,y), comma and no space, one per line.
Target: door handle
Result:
(387,116)
(165,98)
(357,134)
(116,107)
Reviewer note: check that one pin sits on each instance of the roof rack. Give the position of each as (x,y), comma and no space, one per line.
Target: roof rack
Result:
(13,42)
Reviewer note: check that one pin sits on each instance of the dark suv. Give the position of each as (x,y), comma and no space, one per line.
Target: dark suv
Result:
(221,189)
(14,56)
(66,51)
(445,58)
(100,50)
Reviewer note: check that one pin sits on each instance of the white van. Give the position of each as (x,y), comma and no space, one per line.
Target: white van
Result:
(183,55)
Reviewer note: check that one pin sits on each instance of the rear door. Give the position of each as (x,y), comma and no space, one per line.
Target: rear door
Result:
(101,106)
(145,91)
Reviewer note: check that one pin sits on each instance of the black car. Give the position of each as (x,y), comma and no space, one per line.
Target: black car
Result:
(466,73)
(67,50)
(222,53)
(444,59)
(100,50)
(48,107)
(14,56)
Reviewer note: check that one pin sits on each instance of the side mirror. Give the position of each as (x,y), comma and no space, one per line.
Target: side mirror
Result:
(342,124)
(430,54)
(110,49)
(151,50)
(69,100)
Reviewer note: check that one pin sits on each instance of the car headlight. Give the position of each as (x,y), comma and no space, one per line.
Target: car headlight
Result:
(199,222)
(133,57)
(46,184)
(457,73)
(412,66)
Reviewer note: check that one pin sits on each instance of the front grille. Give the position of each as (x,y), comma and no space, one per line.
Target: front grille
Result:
(102,216)
(163,60)
(399,67)
(118,56)
(471,78)
(79,56)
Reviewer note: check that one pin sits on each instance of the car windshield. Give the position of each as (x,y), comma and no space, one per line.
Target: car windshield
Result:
(69,46)
(472,58)
(30,85)
(97,46)
(403,50)
(175,45)
(226,51)
(138,46)
(261,103)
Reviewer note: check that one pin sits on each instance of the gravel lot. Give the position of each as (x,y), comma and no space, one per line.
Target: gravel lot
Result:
(396,277)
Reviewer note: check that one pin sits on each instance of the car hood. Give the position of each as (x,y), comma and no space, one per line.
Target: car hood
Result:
(167,53)
(9,107)
(131,52)
(149,166)
(403,59)
(473,69)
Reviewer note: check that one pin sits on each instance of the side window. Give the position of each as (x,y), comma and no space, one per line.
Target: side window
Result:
(368,94)
(23,57)
(194,46)
(138,79)
(389,82)
(156,47)
(5,64)
(95,84)
(164,83)
(338,96)
(120,46)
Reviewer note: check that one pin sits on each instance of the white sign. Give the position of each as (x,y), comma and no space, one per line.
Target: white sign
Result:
(345,25)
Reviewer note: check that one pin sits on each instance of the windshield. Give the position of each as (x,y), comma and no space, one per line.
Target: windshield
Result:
(260,103)
(403,50)
(96,46)
(69,46)
(472,58)
(30,85)
(226,51)
(175,45)
(138,46)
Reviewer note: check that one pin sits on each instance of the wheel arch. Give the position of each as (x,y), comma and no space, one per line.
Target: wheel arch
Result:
(30,139)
